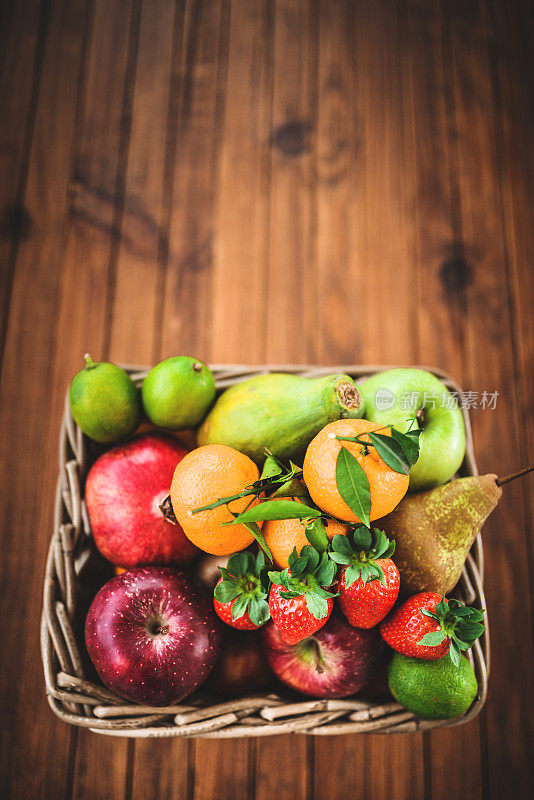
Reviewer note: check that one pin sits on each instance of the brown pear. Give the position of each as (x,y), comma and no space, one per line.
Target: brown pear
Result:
(434,531)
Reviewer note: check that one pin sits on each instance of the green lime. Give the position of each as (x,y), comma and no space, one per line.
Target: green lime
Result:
(104,402)
(178,392)
(435,689)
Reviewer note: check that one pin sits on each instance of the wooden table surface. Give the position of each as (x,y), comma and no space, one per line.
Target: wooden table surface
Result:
(254,181)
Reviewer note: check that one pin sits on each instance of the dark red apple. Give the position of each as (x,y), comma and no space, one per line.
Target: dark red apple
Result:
(337,661)
(152,635)
(242,667)
(123,492)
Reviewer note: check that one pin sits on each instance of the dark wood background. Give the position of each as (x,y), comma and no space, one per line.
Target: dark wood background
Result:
(252,181)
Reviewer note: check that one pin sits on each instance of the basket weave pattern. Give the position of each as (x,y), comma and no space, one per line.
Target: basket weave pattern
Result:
(79,701)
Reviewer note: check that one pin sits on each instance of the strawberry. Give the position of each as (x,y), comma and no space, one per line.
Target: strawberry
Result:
(369,581)
(430,626)
(240,596)
(299,602)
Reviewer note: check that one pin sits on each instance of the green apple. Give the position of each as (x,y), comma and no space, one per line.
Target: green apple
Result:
(409,397)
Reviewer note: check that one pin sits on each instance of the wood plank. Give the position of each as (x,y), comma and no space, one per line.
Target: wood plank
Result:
(221,769)
(514,84)
(157,768)
(340,768)
(285,763)
(241,221)
(90,242)
(22,36)
(187,308)
(161,768)
(30,734)
(337,268)
(139,269)
(339,189)
(366,270)
(490,366)
(291,327)
(453,757)
(233,250)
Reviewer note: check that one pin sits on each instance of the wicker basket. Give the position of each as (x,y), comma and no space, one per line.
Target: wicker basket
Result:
(78,700)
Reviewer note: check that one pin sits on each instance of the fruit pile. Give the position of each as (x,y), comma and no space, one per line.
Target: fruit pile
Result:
(320,521)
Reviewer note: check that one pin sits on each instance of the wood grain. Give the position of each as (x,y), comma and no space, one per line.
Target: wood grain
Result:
(91,238)
(27,444)
(281,180)
(23,29)
(492,368)
(441,289)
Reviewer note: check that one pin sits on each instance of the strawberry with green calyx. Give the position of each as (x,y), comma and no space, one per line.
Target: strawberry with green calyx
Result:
(369,581)
(429,626)
(299,601)
(240,596)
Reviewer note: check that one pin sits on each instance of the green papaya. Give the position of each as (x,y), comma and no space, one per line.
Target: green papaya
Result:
(280,412)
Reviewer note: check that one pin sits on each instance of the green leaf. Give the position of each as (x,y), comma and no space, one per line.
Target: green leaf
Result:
(255,530)
(382,546)
(462,645)
(276,577)
(271,467)
(432,639)
(340,558)
(258,611)
(240,563)
(377,573)
(289,595)
(353,485)
(430,614)
(320,591)
(352,574)
(365,573)
(312,557)
(341,544)
(391,452)
(317,536)
(225,574)
(326,573)
(442,607)
(362,538)
(226,591)
(454,652)
(298,565)
(260,562)
(276,509)
(469,631)
(409,443)
(293,487)
(239,606)
(317,605)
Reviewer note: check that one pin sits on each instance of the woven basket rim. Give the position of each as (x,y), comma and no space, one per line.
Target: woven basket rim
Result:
(79,701)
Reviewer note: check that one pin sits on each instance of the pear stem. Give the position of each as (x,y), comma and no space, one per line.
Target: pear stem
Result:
(514,475)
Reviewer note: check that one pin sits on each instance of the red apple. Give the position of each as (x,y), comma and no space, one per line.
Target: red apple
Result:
(242,667)
(337,661)
(123,492)
(152,635)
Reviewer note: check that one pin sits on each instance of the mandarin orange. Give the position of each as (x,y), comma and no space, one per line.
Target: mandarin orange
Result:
(282,535)
(387,486)
(203,476)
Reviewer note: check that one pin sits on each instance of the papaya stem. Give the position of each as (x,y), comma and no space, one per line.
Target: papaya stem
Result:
(514,475)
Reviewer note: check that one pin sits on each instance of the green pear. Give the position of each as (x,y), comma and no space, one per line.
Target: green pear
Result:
(434,531)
